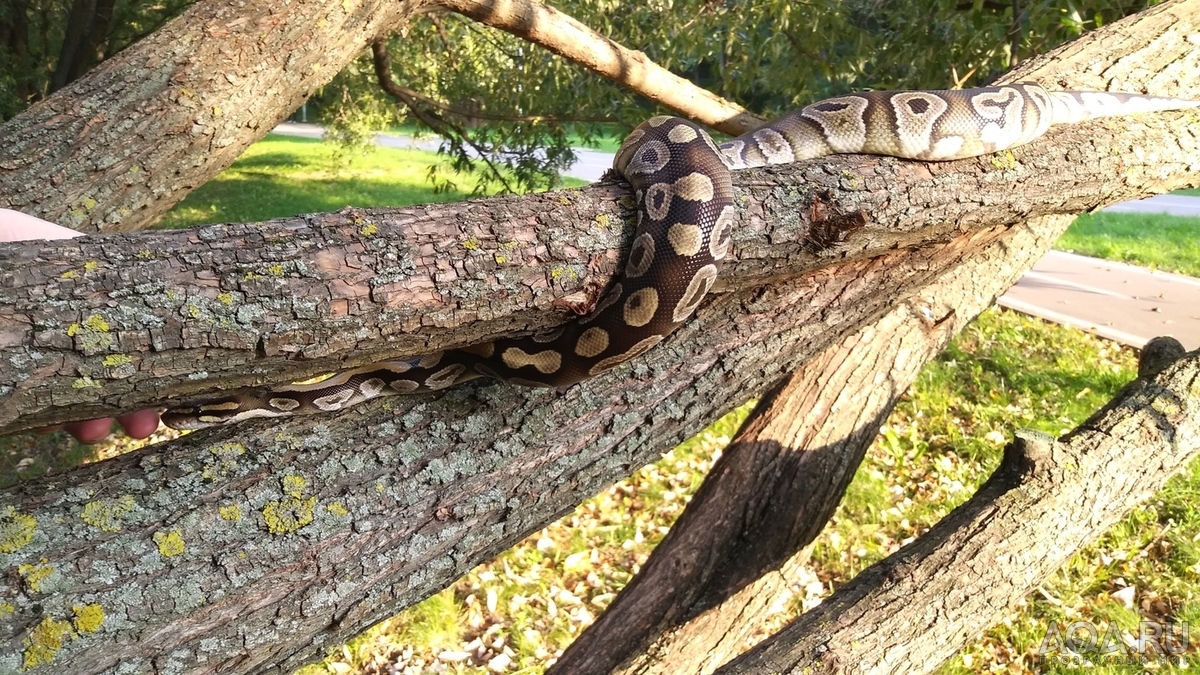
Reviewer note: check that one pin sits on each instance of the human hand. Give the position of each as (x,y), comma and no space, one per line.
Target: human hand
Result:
(16,226)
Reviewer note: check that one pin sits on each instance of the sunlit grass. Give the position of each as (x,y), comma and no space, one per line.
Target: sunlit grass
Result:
(283,176)
(1169,243)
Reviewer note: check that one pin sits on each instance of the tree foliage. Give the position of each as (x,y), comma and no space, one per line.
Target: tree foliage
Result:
(47,44)
(492,95)
(771,55)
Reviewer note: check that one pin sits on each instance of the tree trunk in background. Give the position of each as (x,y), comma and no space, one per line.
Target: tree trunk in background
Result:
(703,593)
(87,27)
(121,146)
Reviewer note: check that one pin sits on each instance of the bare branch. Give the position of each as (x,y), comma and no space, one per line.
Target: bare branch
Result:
(563,35)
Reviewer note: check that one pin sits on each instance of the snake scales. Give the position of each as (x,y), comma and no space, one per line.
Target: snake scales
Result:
(681,180)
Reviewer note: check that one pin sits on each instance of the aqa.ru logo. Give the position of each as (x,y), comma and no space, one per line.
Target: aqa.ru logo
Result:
(1083,642)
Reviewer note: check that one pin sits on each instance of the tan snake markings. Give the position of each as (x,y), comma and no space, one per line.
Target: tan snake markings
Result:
(685,215)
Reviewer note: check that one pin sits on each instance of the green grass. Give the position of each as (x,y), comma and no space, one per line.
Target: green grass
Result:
(1153,240)
(282,176)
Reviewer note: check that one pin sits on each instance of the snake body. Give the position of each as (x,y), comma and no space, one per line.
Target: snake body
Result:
(681,180)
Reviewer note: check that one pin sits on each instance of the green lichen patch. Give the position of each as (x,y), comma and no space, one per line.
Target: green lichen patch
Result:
(368,230)
(6,608)
(1004,160)
(36,576)
(114,360)
(97,323)
(44,641)
(288,514)
(92,335)
(170,543)
(88,618)
(568,273)
(225,298)
(229,450)
(16,529)
(471,244)
(230,512)
(85,382)
(337,509)
(293,485)
(106,514)
(226,460)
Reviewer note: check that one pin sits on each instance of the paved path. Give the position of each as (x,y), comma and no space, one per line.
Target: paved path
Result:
(1114,300)
(1175,205)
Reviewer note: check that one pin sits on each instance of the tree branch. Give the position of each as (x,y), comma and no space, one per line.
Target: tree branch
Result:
(1045,501)
(705,589)
(383,74)
(409,97)
(100,325)
(69,158)
(563,35)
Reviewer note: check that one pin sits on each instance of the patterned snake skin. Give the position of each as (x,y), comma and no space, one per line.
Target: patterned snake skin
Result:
(685,211)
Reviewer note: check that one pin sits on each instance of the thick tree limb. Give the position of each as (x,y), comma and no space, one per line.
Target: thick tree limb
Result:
(563,35)
(120,146)
(778,482)
(98,325)
(307,544)
(911,611)
(707,585)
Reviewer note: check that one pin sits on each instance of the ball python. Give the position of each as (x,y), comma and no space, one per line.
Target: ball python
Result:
(685,212)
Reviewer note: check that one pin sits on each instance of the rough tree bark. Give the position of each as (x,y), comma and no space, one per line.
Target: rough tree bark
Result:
(703,592)
(301,544)
(117,148)
(105,324)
